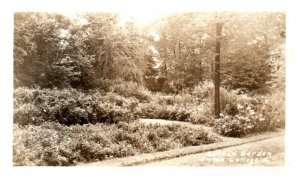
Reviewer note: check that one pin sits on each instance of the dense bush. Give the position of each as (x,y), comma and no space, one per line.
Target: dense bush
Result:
(69,106)
(272,108)
(204,90)
(169,112)
(196,105)
(264,113)
(185,106)
(204,93)
(202,114)
(55,144)
(131,89)
(233,126)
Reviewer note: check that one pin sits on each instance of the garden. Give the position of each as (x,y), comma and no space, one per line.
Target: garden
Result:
(80,89)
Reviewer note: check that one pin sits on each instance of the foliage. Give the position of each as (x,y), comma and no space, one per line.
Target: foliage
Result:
(277,62)
(70,106)
(186,50)
(272,107)
(53,50)
(118,50)
(183,50)
(172,107)
(249,70)
(53,144)
(233,126)
(91,70)
(37,50)
(131,89)
(265,113)
(169,112)
(246,50)
(202,114)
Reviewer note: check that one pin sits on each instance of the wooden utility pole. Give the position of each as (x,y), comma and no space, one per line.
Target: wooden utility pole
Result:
(217,69)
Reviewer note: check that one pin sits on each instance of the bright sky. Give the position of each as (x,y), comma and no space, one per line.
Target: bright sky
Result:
(142,16)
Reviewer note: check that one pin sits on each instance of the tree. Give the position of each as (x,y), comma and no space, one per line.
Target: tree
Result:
(38,48)
(247,50)
(119,50)
(52,50)
(183,49)
(217,69)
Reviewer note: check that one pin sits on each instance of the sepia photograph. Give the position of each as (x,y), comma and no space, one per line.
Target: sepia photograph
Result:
(148,93)
(188,88)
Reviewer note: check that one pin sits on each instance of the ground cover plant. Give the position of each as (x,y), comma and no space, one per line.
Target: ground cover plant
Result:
(51,144)
(69,106)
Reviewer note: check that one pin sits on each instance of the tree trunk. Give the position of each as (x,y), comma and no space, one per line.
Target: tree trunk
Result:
(165,64)
(217,70)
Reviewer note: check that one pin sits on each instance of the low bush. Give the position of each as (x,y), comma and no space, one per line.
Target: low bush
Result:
(54,144)
(263,113)
(272,109)
(131,89)
(204,90)
(233,126)
(171,107)
(69,107)
(168,112)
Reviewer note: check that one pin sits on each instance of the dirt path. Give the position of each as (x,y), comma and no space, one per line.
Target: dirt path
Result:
(268,152)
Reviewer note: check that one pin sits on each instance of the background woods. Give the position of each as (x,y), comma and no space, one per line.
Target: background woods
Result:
(172,53)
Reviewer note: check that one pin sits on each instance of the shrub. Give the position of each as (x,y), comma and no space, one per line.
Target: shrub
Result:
(230,98)
(264,113)
(233,126)
(69,106)
(231,109)
(182,107)
(192,138)
(54,144)
(204,90)
(169,112)
(28,114)
(202,113)
(24,95)
(272,109)
(131,89)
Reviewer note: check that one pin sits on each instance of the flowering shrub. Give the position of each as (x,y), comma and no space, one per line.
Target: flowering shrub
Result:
(169,112)
(182,107)
(54,144)
(272,110)
(265,113)
(202,113)
(69,106)
(233,126)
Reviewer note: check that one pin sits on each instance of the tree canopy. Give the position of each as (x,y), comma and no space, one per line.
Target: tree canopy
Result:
(172,53)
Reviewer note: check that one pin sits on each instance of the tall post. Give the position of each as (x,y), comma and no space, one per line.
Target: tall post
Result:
(217,70)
